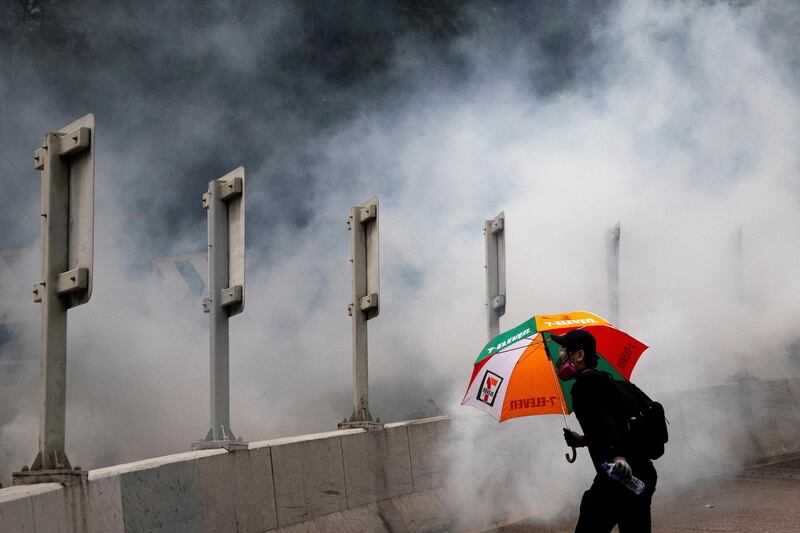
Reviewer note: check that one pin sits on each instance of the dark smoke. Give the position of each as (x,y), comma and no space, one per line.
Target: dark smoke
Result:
(185,91)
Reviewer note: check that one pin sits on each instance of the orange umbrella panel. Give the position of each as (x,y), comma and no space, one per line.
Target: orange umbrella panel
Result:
(533,388)
(514,377)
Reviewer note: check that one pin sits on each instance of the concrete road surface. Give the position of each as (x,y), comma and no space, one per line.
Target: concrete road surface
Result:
(764,499)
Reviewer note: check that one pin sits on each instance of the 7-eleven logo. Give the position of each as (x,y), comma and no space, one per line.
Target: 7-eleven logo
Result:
(490,384)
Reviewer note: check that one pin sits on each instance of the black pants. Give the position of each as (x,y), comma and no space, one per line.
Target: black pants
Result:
(608,503)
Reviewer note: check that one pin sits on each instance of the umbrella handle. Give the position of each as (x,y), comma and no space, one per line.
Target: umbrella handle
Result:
(574,455)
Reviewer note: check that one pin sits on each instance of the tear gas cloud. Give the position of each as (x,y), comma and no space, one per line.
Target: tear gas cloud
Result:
(680,121)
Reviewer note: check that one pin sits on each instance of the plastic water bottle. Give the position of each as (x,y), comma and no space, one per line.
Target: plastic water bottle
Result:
(632,483)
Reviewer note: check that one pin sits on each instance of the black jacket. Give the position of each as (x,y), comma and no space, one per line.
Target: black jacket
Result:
(602,416)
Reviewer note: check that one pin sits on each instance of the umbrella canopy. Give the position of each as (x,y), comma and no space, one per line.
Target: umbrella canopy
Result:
(515,373)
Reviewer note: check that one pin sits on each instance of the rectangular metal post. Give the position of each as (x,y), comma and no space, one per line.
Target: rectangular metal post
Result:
(55,221)
(738,246)
(494,231)
(739,287)
(66,160)
(359,321)
(218,316)
(225,298)
(612,272)
(363,225)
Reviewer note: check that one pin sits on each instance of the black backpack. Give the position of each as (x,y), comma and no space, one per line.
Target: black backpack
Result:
(647,424)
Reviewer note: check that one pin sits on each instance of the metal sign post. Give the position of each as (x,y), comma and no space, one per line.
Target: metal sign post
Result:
(225,203)
(66,160)
(363,225)
(495,233)
(740,293)
(738,265)
(612,272)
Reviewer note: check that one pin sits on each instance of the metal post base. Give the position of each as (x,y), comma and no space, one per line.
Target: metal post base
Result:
(227,441)
(369,425)
(230,445)
(64,476)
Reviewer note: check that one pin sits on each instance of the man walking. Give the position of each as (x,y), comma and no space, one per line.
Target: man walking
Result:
(601,413)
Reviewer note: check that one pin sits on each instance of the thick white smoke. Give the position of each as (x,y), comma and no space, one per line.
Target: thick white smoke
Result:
(685,132)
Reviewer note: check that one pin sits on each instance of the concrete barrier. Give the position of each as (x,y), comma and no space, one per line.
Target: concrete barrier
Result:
(377,465)
(309,476)
(427,439)
(418,512)
(776,417)
(237,489)
(19,506)
(104,507)
(351,480)
(758,419)
(155,495)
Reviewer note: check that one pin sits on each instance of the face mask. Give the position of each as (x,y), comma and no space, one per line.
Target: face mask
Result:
(567,371)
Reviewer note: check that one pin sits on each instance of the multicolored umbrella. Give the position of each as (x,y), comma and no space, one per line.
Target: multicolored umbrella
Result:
(515,373)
